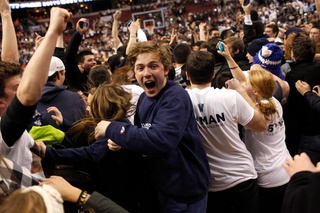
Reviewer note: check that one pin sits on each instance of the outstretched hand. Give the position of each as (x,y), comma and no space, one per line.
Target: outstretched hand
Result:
(300,163)
(67,191)
(57,115)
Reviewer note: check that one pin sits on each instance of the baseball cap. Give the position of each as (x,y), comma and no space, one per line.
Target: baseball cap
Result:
(55,65)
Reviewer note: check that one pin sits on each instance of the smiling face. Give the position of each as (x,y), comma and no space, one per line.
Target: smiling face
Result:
(150,73)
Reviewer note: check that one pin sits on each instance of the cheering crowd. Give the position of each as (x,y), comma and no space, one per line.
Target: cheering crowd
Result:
(215,112)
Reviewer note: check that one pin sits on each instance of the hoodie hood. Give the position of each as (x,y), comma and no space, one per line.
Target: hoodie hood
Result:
(50,91)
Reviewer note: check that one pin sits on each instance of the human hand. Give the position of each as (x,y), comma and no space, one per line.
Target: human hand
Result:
(300,163)
(100,129)
(84,29)
(39,39)
(192,26)
(225,53)
(302,87)
(67,191)
(58,20)
(41,147)
(4,7)
(57,115)
(117,15)
(233,84)
(202,25)
(173,37)
(246,8)
(316,89)
(113,146)
(134,27)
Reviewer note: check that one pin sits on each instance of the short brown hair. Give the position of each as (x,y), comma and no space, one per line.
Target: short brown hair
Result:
(149,47)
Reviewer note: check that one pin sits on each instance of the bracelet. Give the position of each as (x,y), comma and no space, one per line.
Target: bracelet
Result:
(133,36)
(232,68)
(82,198)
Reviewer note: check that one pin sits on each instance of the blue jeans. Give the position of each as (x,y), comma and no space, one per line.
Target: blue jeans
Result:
(169,205)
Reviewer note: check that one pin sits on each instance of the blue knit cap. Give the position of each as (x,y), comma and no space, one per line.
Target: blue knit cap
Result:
(270,57)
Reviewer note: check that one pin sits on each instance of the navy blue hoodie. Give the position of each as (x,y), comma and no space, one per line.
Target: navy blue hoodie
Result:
(70,104)
(166,131)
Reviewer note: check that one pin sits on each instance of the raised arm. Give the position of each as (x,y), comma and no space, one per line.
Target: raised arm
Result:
(9,51)
(36,72)
(202,31)
(115,25)
(133,29)
(73,73)
(234,68)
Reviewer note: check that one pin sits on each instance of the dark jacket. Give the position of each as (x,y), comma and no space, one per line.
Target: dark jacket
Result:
(76,79)
(298,117)
(69,103)
(302,194)
(116,175)
(102,204)
(166,132)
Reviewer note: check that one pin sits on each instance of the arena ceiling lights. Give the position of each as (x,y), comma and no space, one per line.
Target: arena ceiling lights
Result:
(23,5)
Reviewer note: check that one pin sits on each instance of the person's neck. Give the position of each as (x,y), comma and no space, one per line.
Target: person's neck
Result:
(200,86)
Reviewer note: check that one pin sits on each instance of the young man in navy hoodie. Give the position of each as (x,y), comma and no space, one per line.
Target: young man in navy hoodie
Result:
(165,132)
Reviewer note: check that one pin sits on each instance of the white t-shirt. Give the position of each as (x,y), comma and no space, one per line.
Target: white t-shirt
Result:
(269,151)
(218,113)
(135,92)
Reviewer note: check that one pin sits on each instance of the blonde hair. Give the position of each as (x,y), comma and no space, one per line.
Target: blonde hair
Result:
(26,202)
(109,102)
(263,83)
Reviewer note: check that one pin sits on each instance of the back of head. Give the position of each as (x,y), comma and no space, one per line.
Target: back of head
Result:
(163,52)
(98,74)
(292,30)
(221,78)
(120,75)
(181,52)
(200,67)
(184,76)
(114,61)
(110,102)
(303,48)
(263,82)
(17,202)
(34,199)
(270,57)
(122,50)
(7,71)
(256,45)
